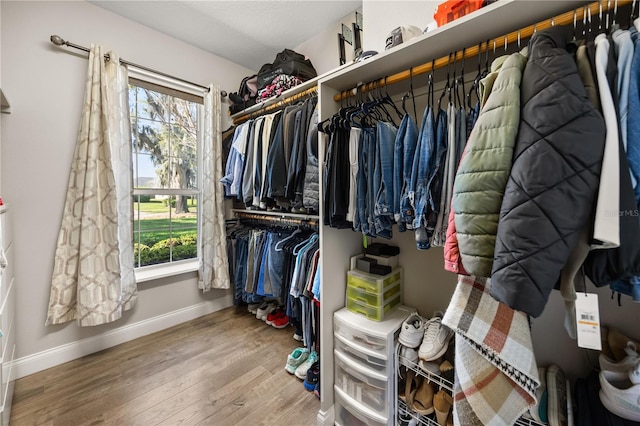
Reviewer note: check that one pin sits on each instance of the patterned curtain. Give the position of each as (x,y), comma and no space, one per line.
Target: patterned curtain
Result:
(93,280)
(213,271)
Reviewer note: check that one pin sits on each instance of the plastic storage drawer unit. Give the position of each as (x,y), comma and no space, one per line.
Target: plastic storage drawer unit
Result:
(372,283)
(349,412)
(347,329)
(374,299)
(375,313)
(365,386)
(362,355)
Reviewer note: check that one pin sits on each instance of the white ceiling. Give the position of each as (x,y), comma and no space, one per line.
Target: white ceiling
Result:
(249,33)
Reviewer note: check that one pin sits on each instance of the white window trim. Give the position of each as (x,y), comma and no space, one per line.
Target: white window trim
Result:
(155,272)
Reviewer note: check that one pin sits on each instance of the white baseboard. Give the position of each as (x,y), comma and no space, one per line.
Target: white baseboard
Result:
(34,363)
(326,418)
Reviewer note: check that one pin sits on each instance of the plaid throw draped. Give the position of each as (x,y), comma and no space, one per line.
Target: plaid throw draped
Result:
(496,372)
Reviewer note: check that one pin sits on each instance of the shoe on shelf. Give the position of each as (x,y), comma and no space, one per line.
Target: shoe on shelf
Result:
(281,322)
(296,359)
(556,396)
(313,377)
(411,382)
(429,367)
(618,343)
(538,412)
(422,398)
(253,307)
(622,366)
(406,419)
(442,404)
(298,337)
(274,315)
(621,396)
(412,331)
(301,371)
(262,309)
(408,357)
(436,338)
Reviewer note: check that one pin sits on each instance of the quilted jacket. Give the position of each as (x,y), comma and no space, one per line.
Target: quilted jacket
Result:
(550,194)
(484,169)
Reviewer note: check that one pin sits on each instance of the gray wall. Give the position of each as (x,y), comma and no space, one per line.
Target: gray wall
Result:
(45,85)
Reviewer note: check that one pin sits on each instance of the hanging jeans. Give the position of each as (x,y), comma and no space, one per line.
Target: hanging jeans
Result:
(383,180)
(404,151)
(360,223)
(429,184)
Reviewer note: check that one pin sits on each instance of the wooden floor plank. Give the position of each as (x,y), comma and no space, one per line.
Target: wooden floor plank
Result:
(225,368)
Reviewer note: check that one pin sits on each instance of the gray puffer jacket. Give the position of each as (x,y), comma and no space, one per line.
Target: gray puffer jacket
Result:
(554,178)
(311,194)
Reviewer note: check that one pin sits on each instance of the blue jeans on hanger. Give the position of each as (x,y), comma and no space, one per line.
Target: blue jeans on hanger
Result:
(275,264)
(633,124)
(362,183)
(383,181)
(372,149)
(433,150)
(421,174)
(404,151)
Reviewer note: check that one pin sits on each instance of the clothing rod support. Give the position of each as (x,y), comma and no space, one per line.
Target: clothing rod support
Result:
(59,41)
(473,51)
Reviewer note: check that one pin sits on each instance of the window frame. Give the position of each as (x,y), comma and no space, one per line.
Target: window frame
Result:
(181,90)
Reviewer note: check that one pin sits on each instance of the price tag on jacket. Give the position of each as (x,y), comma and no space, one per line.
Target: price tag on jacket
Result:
(588,320)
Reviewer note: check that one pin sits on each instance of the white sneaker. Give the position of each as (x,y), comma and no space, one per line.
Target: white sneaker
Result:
(301,371)
(436,338)
(295,359)
(556,396)
(408,357)
(264,310)
(621,368)
(621,396)
(412,331)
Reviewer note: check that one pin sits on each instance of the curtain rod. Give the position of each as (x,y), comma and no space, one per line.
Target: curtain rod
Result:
(570,17)
(59,41)
(281,103)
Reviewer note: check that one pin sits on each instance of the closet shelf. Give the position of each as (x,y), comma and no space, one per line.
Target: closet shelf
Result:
(283,215)
(489,22)
(5,108)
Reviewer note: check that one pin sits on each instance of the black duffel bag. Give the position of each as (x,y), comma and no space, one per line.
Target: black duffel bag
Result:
(287,62)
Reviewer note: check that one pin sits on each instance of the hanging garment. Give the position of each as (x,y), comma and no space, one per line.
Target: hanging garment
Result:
(311,193)
(354,145)
(606,229)
(555,170)
(633,124)
(232,180)
(484,171)
(248,172)
(383,179)
(588,79)
(405,149)
(496,372)
(448,173)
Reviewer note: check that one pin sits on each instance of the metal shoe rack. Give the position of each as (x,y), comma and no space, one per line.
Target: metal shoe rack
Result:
(441,383)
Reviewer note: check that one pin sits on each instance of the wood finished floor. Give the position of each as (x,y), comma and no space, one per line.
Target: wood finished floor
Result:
(226,368)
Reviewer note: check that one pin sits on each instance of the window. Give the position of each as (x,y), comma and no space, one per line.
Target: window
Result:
(165,135)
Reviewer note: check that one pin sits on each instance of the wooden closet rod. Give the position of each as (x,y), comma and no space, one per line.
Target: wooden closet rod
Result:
(473,51)
(279,104)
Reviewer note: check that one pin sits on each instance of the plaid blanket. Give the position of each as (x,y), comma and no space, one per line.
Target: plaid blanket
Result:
(496,373)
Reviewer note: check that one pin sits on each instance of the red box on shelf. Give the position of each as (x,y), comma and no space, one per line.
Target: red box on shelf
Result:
(454,9)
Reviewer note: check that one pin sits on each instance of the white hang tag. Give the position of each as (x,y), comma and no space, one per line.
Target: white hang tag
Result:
(588,320)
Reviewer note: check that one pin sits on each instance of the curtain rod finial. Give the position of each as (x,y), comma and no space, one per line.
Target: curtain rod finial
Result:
(57,40)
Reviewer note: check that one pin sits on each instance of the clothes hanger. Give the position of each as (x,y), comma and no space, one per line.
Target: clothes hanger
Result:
(278,246)
(447,86)
(474,85)
(301,245)
(460,82)
(430,91)
(409,93)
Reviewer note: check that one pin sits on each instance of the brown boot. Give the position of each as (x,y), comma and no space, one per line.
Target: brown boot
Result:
(442,403)
(422,399)
(618,342)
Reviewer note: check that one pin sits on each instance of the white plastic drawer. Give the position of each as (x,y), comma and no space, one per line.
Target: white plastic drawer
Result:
(363,385)
(374,343)
(350,413)
(361,354)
